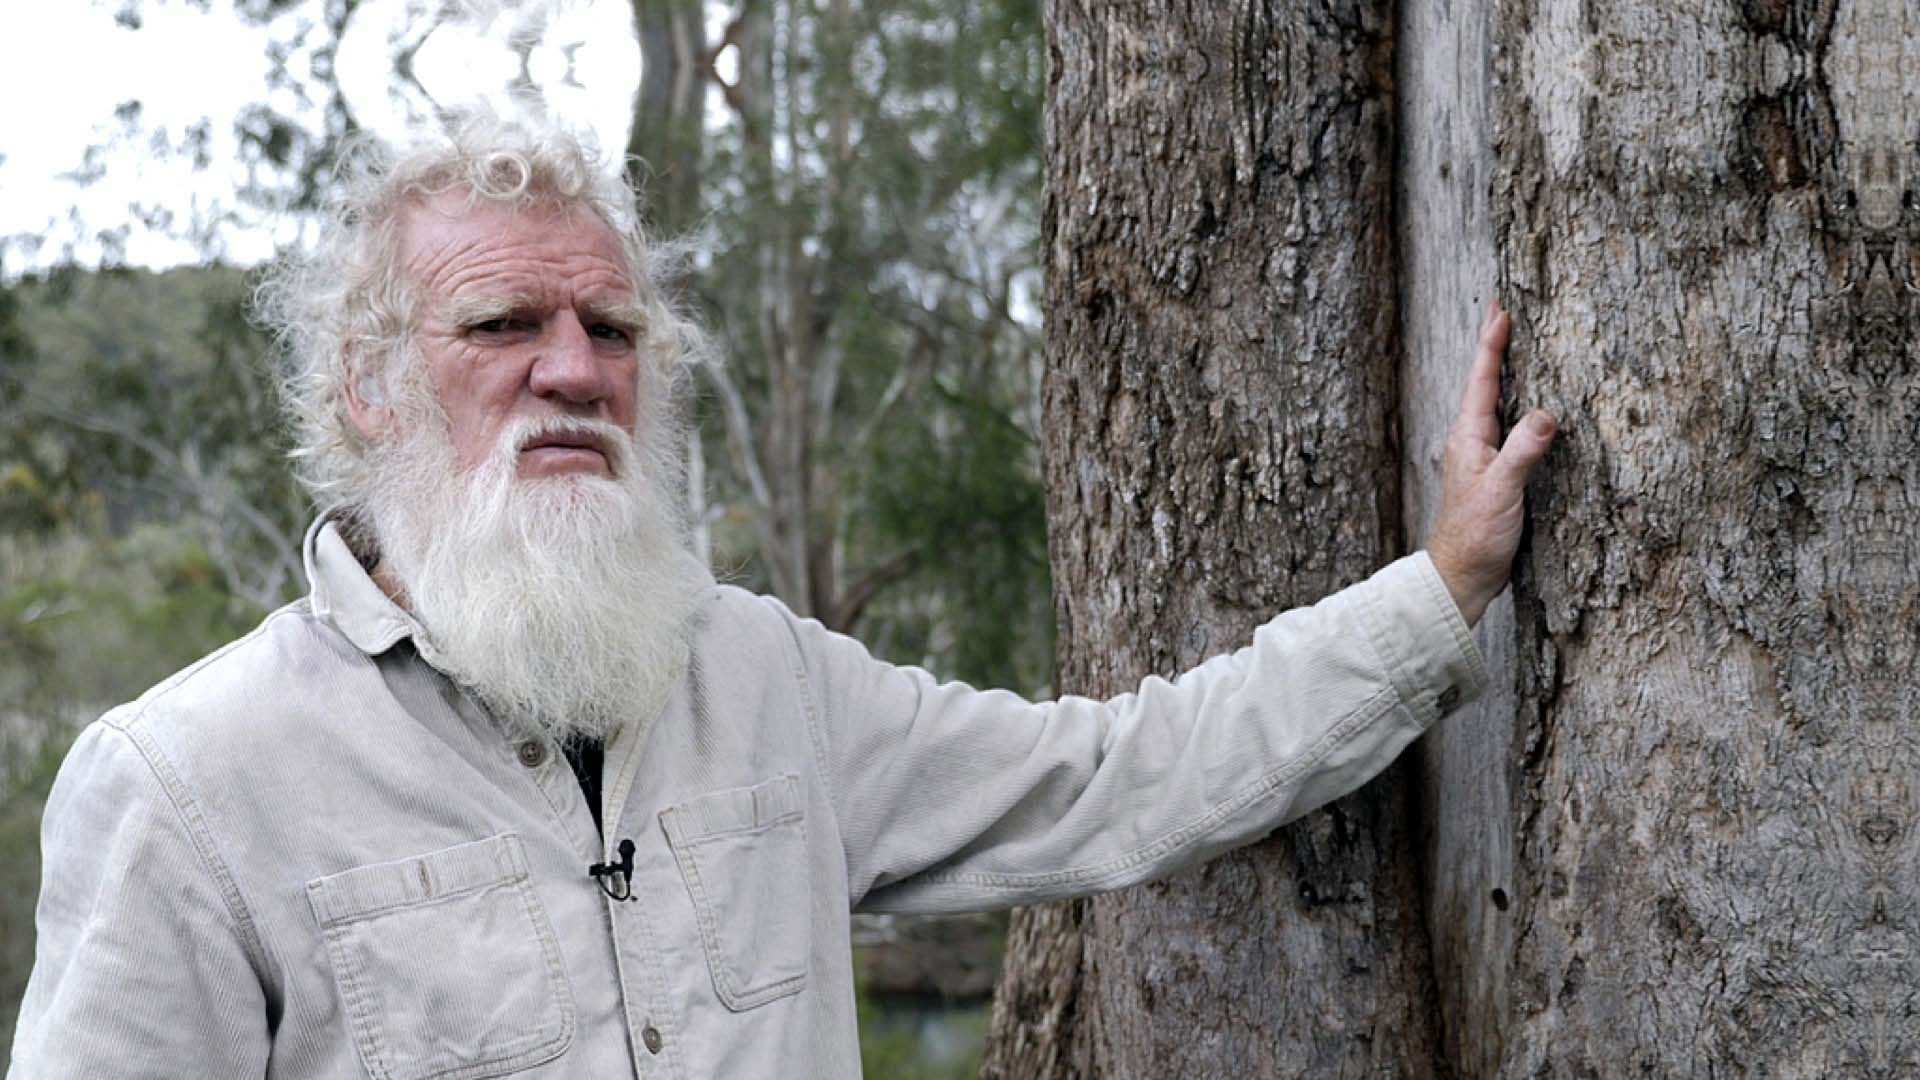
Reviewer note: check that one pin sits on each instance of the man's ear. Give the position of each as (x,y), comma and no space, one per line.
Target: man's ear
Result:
(366,402)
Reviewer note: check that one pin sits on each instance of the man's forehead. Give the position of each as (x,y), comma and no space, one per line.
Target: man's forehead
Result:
(451,246)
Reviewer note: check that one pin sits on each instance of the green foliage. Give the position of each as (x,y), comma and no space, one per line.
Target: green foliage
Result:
(20,879)
(970,500)
(874,200)
(146,514)
(90,620)
(134,396)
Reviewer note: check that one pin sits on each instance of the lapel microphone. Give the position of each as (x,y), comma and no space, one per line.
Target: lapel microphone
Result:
(615,879)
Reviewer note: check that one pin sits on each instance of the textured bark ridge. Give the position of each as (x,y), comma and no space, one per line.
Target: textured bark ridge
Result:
(1220,402)
(1704,216)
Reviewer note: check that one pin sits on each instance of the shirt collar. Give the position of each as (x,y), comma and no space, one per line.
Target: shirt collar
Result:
(345,594)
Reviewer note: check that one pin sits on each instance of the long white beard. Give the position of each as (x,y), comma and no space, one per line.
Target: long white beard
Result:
(560,603)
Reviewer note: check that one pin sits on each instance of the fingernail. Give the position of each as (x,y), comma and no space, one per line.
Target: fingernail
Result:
(1542,423)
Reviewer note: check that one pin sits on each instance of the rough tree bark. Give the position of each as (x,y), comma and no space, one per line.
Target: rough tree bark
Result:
(1220,403)
(1697,212)
(1679,837)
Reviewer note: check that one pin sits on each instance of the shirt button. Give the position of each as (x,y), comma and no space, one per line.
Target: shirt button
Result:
(532,753)
(651,1036)
(1448,699)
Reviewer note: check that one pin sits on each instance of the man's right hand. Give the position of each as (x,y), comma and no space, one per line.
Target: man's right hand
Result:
(1483,483)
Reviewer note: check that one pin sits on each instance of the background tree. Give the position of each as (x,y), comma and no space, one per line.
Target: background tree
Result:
(872,200)
(1677,839)
(158,412)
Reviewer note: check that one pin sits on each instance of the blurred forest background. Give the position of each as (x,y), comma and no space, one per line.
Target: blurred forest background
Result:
(862,178)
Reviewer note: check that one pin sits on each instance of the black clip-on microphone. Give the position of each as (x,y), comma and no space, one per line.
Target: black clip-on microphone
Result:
(621,874)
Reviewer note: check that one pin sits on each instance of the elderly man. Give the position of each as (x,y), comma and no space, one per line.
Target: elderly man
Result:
(518,790)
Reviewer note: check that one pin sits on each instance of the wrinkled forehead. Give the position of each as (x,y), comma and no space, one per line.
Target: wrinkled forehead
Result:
(451,243)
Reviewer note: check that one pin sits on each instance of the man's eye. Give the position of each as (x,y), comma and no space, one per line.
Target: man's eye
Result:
(497,326)
(611,332)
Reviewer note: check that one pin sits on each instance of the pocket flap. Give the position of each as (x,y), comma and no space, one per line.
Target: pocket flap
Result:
(742,853)
(372,889)
(733,810)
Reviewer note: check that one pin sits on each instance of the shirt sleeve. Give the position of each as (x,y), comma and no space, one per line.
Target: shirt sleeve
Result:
(949,798)
(139,967)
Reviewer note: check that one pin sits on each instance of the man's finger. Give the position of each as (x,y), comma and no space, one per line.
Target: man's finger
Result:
(1480,405)
(1527,443)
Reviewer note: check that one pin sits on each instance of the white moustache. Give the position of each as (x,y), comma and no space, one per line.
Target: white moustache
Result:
(526,432)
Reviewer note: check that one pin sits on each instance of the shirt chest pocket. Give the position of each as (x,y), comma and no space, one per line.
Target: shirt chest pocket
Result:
(743,855)
(446,964)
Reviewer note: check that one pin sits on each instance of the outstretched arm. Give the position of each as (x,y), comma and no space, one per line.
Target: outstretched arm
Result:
(948,798)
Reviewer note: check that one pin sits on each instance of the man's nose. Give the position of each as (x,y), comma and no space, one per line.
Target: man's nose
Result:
(568,367)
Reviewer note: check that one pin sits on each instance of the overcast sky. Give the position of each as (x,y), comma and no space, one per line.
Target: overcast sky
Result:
(68,71)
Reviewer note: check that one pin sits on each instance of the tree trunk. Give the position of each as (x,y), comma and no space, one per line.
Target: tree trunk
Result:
(1696,217)
(663,156)
(1220,403)
(1678,837)
(665,146)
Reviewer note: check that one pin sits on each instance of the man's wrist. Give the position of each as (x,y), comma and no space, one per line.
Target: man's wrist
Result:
(1471,601)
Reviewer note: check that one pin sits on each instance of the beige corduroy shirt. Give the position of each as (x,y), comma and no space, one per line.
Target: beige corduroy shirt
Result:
(311,855)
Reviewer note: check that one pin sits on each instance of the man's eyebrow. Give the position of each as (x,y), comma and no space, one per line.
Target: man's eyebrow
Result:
(622,313)
(462,310)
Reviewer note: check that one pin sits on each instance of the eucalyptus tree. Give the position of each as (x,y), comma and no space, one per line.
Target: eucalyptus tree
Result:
(1677,838)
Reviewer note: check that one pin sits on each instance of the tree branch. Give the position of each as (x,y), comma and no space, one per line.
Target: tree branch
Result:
(853,602)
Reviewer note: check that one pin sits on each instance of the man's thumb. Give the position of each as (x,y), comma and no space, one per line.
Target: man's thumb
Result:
(1528,442)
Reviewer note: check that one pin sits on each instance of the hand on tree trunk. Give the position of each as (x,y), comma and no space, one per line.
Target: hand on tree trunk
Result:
(1483,484)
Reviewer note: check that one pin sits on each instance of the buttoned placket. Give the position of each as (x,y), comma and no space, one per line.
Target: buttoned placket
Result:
(547,767)
(649,1016)
(647,1012)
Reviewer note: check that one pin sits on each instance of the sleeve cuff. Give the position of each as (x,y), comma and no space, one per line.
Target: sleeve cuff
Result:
(1422,637)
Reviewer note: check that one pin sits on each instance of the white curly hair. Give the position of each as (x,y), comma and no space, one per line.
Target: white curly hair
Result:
(345,310)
